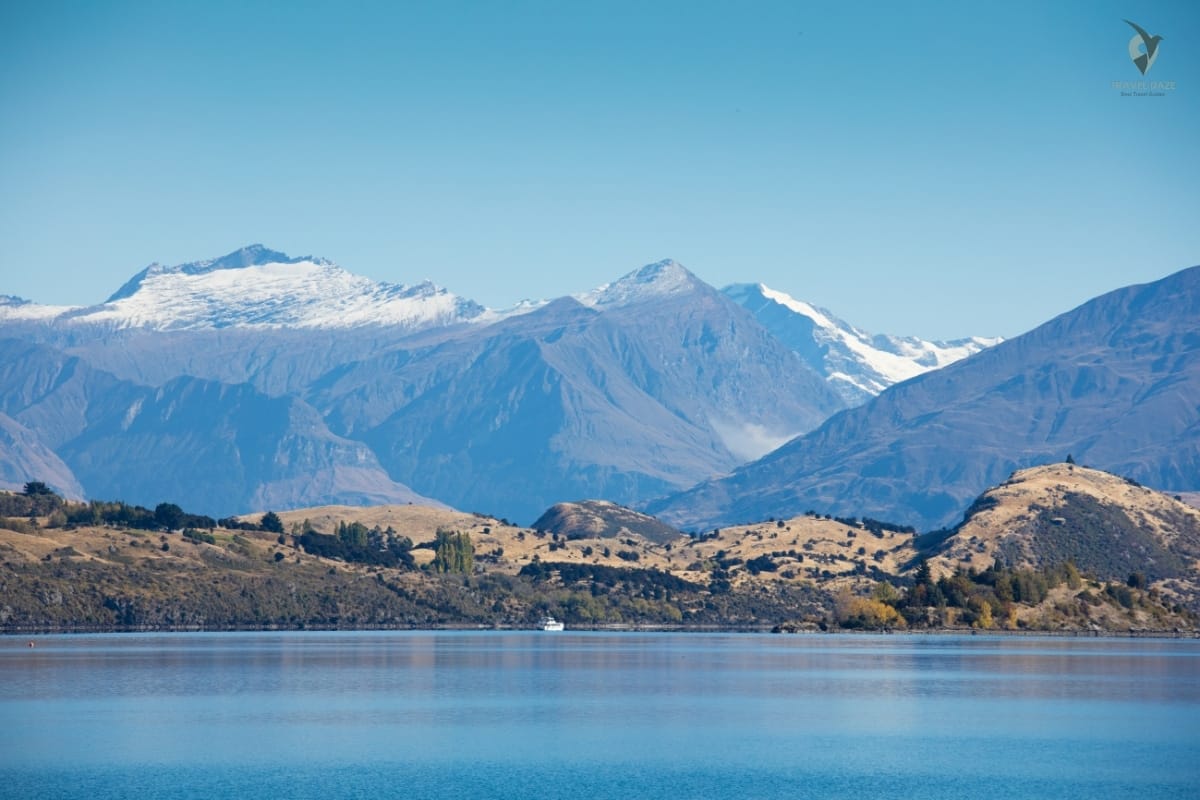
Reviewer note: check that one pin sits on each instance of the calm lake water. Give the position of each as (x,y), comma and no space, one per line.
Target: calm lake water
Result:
(588,715)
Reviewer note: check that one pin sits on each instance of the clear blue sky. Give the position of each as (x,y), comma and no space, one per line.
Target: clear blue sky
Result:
(939,169)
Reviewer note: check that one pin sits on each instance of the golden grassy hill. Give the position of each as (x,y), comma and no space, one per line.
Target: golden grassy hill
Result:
(602,570)
(828,552)
(1108,526)
(801,549)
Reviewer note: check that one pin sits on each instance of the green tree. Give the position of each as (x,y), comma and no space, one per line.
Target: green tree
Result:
(1071,575)
(923,576)
(884,592)
(453,552)
(37,487)
(271,522)
(352,534)
(168,516)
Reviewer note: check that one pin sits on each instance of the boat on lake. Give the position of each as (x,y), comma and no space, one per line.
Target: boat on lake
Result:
(549,623)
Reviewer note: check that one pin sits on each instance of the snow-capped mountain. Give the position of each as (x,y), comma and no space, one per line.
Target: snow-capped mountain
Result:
(652,282)
(639,387)
(260,288)
(857,364)
(575,401)
(18,309)
(510,412)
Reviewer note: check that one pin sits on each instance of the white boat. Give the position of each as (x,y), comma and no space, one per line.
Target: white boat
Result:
(551,624)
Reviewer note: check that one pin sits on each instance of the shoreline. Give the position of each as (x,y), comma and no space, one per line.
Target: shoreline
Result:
(611,628)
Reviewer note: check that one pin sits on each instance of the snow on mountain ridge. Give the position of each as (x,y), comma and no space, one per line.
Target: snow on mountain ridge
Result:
(258,287)
(855,363)
(18,309)
(799,306)
(249,256)
(304,293)
(662,278)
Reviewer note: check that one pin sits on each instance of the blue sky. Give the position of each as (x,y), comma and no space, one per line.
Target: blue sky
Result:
(939,169)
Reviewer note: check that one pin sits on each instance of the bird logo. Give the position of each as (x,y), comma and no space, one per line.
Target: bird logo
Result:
(1141,39)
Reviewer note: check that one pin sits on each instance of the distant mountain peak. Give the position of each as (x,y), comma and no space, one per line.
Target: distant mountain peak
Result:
(249,256)
(256,286)
(662,278)
(857,364)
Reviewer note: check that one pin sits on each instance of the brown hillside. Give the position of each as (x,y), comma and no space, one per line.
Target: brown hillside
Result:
(1108,526)
(600,519)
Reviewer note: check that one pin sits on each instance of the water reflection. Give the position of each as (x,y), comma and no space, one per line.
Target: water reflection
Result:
(847,705)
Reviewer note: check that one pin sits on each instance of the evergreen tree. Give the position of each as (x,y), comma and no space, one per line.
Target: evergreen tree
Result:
(453,552)
(271,522)
(168,515)
(352,534)
(923,576)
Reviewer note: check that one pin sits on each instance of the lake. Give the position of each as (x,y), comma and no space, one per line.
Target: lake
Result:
(591,715)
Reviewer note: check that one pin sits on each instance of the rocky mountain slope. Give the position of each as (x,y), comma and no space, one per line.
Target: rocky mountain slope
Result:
(619,402)
(23,454)
(214,447)
(1113,382)
(641,387)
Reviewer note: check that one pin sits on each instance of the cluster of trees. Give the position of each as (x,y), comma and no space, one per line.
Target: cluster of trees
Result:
(165,516)
(356,543)
(762,563)
(270,522)
(195,535)
(453,552)
(869,613)
(37,500)
(875,526)
(878,526)
(980,599)
(650,582)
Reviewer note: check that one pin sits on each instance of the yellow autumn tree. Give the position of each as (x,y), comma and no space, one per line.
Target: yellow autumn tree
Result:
(983,614)
(864,612)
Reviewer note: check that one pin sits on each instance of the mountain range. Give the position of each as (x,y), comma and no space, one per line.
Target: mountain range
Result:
(259,380)
(1115,383)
